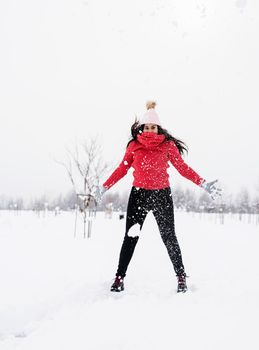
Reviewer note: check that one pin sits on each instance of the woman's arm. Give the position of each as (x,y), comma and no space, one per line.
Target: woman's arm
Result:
(178,162)
(122,169)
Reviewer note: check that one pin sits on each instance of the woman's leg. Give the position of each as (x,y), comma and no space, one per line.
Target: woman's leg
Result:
(136,214)
(163,211)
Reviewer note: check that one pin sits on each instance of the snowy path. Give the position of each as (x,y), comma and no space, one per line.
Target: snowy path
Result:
(55,289)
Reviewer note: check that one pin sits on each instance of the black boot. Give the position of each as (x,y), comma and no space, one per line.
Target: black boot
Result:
(182,287)
(117,285)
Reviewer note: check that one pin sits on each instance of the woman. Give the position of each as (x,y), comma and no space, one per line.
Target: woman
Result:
(148,152)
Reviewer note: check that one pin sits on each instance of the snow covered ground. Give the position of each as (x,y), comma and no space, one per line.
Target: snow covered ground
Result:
(55,288)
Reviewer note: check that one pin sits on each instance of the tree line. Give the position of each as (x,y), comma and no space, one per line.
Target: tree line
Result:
(185,200)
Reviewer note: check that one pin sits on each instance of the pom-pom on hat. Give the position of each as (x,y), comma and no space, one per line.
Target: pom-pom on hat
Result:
(151,116)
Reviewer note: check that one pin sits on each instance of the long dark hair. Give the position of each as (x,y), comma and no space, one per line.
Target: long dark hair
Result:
(137,129)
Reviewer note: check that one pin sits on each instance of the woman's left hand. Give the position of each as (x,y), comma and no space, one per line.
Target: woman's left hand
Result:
(212,190)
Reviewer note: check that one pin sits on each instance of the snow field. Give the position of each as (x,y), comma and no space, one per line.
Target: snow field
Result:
(55,288)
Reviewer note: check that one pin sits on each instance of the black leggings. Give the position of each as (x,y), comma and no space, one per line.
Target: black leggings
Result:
(141,201)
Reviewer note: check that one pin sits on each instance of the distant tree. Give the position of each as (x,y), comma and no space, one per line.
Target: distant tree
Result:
(39,203)
(85,167)
(124,201)
(204,203)
(190,201)
(178,197)
(70,200)
(20,203)
(4,202)
(119,200)
(255,201)
(243,201)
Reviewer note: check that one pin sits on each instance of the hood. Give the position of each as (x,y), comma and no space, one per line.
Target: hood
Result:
(150,140)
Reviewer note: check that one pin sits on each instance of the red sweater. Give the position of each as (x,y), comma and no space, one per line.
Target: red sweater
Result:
(149,156)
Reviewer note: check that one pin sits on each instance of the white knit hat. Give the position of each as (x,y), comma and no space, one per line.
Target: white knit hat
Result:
(151,116)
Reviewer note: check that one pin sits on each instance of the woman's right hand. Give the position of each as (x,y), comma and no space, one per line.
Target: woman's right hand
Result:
(100,190)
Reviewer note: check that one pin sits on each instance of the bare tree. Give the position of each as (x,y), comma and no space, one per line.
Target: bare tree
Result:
(85,168)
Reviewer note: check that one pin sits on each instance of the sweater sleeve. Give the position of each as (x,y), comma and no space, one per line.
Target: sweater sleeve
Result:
(178,162)
(122,169)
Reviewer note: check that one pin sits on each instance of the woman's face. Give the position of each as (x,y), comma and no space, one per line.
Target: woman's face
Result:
(150,128)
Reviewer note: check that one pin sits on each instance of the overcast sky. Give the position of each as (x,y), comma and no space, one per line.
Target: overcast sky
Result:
(70,69)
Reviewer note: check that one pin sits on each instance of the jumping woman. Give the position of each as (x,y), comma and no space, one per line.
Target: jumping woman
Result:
(149,152)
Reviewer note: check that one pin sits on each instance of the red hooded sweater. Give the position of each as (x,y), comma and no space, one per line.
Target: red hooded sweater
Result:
(149,156)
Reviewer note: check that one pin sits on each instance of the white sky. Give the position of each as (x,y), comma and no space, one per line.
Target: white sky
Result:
(70,69)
